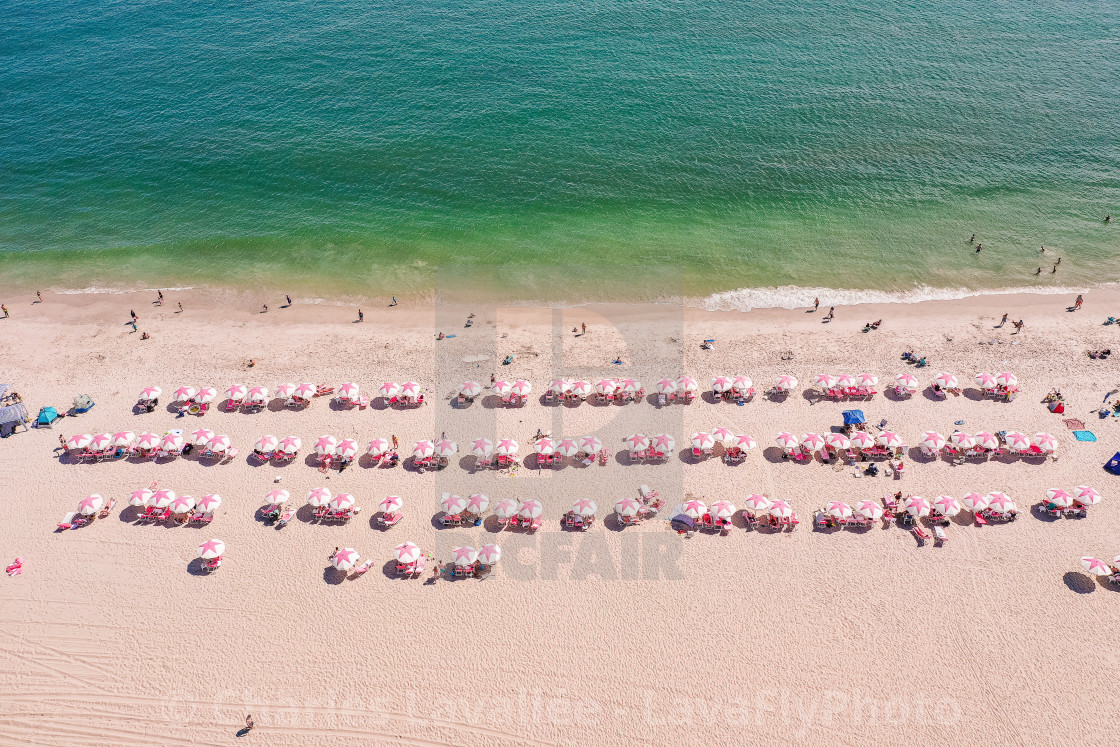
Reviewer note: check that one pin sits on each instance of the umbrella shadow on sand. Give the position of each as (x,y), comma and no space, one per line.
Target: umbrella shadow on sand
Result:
(1079,582)
(333,576)
(196,568)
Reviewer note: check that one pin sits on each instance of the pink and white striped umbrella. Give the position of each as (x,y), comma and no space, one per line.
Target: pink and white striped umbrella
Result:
(290,444)
(279,495)
(407,552)
(521,388)
(349,390)
(630,386)
(947,505)
(266,443)
(1087,495)
(703,440)
(985,380)
(741,383)
(341,502)
(837,441)
(825,381)
(470,389)
(345,559)
(932,441)
(545,446)
(963,440)
(171,442)
(862,440)
(867,380)
(812,442)
(347,448)
(890,439)
(305,390)
(79,441)
(870,510)
(285,390)
(507,447)
(410,389)
(916,505)
(1045,442)
(1017,441)
(694,508)
(723,509)
(489,554)
(377,446)
(150,392)
(628,507)
(445,447)
(906,381)
(756,502)
(161,498)
(140,497)
(638,442)
(786,383)
(147,441)
(1059,497)
(581,388)
(206,395)
(974,502)
(389,389)
(201,436)
(1000,503)
(687,384)
(391,504)
(723,435)
(183,393)
(986,440)
(530,509)
(319,496)
(182,504)
(1006,378)
(838,509)
(481,447)
(745,442)
(558,386)
(946,381)
(452,504)
(663,443)
(237,391)
(780,509)
(788,441)
(505,508)
(845,381)
(211,549)
(666,386)
(208,503)
(1096,566)
(326,444)
(502,387)
(567,447)
(477,504)
(585,507)
(606,386)
(101,442)
(91,504)
(218,444)
(464,556)
(590,444)
(721,384)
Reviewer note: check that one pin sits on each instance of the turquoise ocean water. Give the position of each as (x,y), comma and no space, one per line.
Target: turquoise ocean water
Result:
(559,150)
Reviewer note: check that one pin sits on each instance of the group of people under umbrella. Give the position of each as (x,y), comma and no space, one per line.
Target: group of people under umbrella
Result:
(146,445)
(163,504)
(466,561)
(1071,503)
(621,390)
(858,444)
(1099,568)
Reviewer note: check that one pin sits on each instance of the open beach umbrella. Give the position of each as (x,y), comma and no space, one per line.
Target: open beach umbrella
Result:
(545,446)
(1059,498)
(985,380)
(147,441)
(407,552)
(345,559)
(377,446)
(507,447)
(916,505)
(182,504)
(845,381)
(838,509)
(787,441)
(452,504)
(211,549)
(581,388)
(862,440)
(206,395)
(285,390)
(780,509)
(1017,441)
(326,444)
(505,508)
(628,507)
(666,386)
(812,442)
(786,383)
(606,386)
(161,498)
(974,502)
(825,381)
(150,392)
(906,381)
(218,444)
(1086,495)
(723,435)
(171,442)
(558,386)
(477,504)
(201,435)
(947,505)
(567,447)
(745,442)
(410,389)
(687,384)
(445,447)
(637,442)
(501,387)
(464,556)
(1006,379)
(349,390)
(585,507)
(962,440)
(91,504)
(1096,567)
(721,384)
(694,509)
(1000,503)
(481,447)
(946,381)
(986,440)
(870,510)
(290,444)
(101,442)
(237,391)
(305,390)
(278,496)
(741,383)
(630,386)
(266,443)
(140,497)
(183,393)
(347,448)
(389,389)
(932,441)
(755,503)
(837,441)
(867,380)
(722,509)
(208,503)
(470,389)
(590,445)
(890,439)
(663,443)
(489,554)
(319,496)
(530,509)
(391,504)
(341,502)
(79,441)
(702,441)
(521,388)
(1045,442)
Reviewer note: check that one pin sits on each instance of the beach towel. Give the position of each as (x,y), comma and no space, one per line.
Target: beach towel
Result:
(1084,436)
(1074,424)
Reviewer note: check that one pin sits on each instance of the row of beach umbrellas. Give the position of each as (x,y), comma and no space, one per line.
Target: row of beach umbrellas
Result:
(909,382)
(171,441)
(179,504)
(930,441)
(304,390)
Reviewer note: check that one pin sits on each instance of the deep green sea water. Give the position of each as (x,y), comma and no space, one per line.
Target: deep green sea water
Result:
(559,150)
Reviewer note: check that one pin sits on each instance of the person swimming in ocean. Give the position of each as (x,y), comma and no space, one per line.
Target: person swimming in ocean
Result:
(1039,271)
(973,239)
(979,247)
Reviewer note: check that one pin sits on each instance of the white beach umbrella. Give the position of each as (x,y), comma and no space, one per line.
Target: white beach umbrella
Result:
(723,435)
(741,383)
(702,440)
(183,393)
(825,381)
(906,381)
(975,502)
(786,383)
(411,389)
(150,392)
(723,509)
(481,447)
(780,509)
(890,439)
(377,446)
(91,504)
(278,496)
(347,448)
(590,445)
(628,507)
(1000,503)
(237,391)
(507,447)
(477,504)
(637,442)
(788,441)
(663,443)
(140,497)
(1059,497)
(1006,378)
(182,504)
(755,503)
(666,386)
(326,444)
(423,449)
(1045,442)
(838,509)
(266,443)
(694,508)
(319,496)
(101,442)
(933,441)
(505,508)
(917,506)
(530,509)
(585,507)
(946,380)
(812,442)
(489,554)
(446,448)
(161,498)
(341,502)
(845,381)
(985,380)
(345,559)
(208,503)
(986,440)
(963,440)
(349,390)
(389,389)
(206,395)
(721,384)
(79,441)
(687,384)
(502,387)
(558,386)
(200,436)
(470,389)
(1096,566)
(867,380)
(870,510)
(581,388)
(1017,441)
(1086,495)
(464,556)
(521,388)
(285,390)
(211,549)
(406,552)
(630,386)
(947,505)
(391,504)
(171,442)
(305,390)
(567,447)
(837,441)
(452,504)
(606,386)
(290,444)
(745,442)
(862,440)
(545,446)
(123,438)
(218,444)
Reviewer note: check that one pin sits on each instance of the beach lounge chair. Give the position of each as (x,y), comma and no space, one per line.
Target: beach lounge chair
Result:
(752,520)
(212,564)
(940,535)
(981,520)
(920,533)
(454,520)
(604,455)
(363,568)
(388,520)
(285,518)
(67,521)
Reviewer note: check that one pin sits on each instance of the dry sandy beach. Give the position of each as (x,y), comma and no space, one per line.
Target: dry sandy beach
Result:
(110,636)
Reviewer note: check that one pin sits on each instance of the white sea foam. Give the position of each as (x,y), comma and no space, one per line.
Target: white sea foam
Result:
(113,291)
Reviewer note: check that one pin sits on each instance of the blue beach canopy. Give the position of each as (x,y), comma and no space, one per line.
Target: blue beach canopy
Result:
(47,416)
(854,417)
(1113,465)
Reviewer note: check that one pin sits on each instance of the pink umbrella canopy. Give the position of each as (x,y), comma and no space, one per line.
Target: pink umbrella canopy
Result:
(584,507)
(825,381)
(470,389)
(279,495)
(345,558)
(917,506)
(837,441)
(838,509)
(182,504)
(986,440)
(606,386)
(687,384)
(694,508)
(290,444)
(218,444)
(629,385)
(123,438)
(786,383)
(377,446)
(742,383)
(558,386)
(862,440)
(325,444)
(812,442)
(845,381)
(745,442)
(946,381)
(407,552)
(1000,503)
(319,496)
(410,389)
(482,447)
(581,388)
(91,504)
(200,436)
(150,392)
(502,387)
(1059,497)
(870,510)
(206,395)
(907,381)
(266,443)
(628,507)
(1086,495)
(521,388)
(932,441)
(590,444)
(348,390)
(211,549)
(722,383)
(545,446)
(161,498)
(477,504)
(666,386)
(208,503)
(788,441)
(445,447)
(530,509)
(489,554)
(1017,441)
(391,504)
(147,441)
(1045,442)
(101,442)
(341,502)
(347,448)
(947,505)
(723,435)
(723,509)
(985,380)
(866,379)
(1096,566)
(183,393)
(663,443)
(140,497)
(505,508)
(780,509)
(637,442)
(567,447)
(890,439)
(305,390)
(1006,378)
(79,441)
(257,394)
(963,440)
(702,440)
(975,501)
(237,391)
(452,504)
(285,390)
(389,389)
(507,447)
(756,502)
(171,442)
(464,556)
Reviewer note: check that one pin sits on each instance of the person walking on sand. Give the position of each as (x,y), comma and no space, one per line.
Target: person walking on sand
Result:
(583,327)
(831,311)
(394,303)
(288,299)
(132,314)
(1078,302)
(265,309)
(249,722)
(180,305)
(39,295)
(1002,321)
(361,316)
(4,309)
(816,304)
(133,325)
(159,298)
